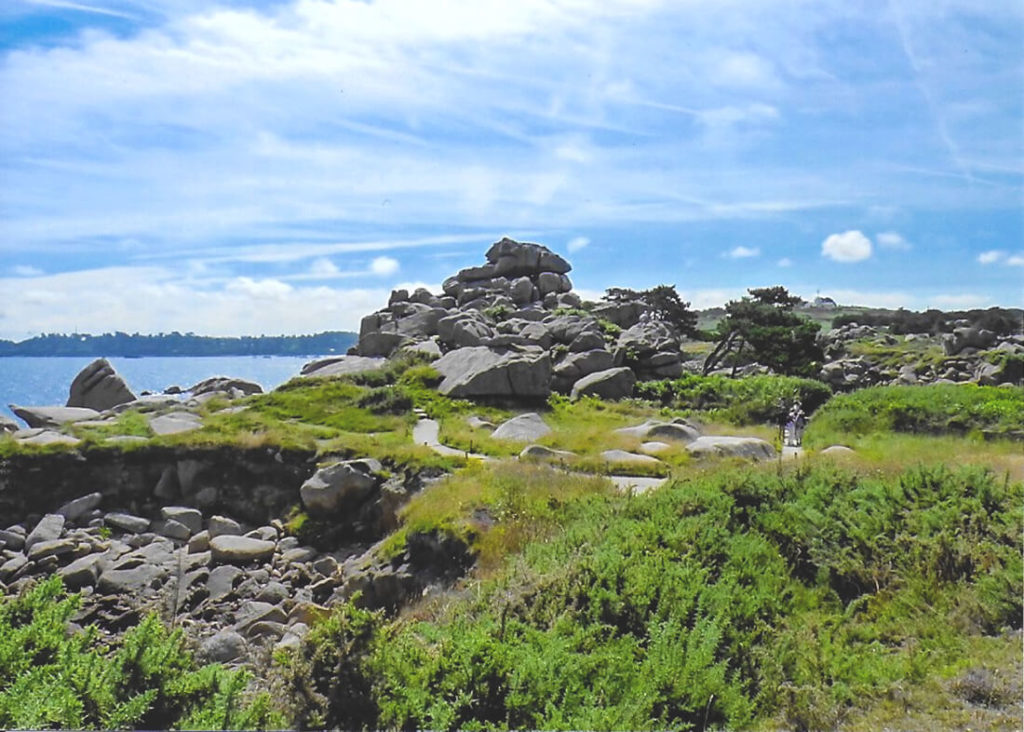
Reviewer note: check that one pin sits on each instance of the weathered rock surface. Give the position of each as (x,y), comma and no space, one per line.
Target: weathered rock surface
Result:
(339,487)
(721,446)
(486,372)
(49,528)
(524,428)
(175,422)
(98,386)
(226,385)
(73,510)
(228,549)
(615,383)
(837,450)
(540,452)
(52,416)
(624,457)
(341,365)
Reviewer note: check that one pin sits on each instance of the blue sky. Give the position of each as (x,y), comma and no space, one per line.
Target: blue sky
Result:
(279,167)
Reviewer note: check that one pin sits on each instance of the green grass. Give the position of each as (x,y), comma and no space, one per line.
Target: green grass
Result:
(496,507)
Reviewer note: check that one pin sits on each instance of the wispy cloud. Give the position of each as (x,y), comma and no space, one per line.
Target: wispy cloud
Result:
(742,252)
(577,243)
(892,240)
(82,7)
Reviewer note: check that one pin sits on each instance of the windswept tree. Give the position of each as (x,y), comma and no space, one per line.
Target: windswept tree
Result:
(764,328)
(663,304)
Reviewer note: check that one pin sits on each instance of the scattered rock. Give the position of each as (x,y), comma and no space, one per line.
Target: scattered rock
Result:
(524,428)
(615,383)
(53,417)
(131,581)
(225,384)
(127,523)
(721,446)
(175,422)
(240,549)
(625,457)
(341,486)
(190,517)
(73,510)
(540,452)
(224,647)
(837,450)
(54,547)
(221,581)
(341,365)
(50,527)
(44,437)
(82,572)
(223,526)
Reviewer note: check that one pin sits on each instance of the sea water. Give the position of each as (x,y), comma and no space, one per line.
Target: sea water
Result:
(44,381)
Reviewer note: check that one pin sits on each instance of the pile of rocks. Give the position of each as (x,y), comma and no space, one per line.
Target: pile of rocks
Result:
(235,588)
(513,328)
(969,355)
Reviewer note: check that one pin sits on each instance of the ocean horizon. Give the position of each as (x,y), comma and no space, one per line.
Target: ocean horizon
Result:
(46,380)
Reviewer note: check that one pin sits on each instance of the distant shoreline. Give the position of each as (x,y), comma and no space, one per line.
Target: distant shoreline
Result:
(124,345)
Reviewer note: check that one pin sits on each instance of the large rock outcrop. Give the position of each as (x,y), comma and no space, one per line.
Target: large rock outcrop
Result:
(493,323)
(488,372)
(98,386)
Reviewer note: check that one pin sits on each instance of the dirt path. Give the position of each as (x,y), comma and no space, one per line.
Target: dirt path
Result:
(426,432)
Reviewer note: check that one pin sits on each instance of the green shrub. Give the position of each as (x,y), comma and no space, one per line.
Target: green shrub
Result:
(935,409)
(386,400)
(730,600)
(52,678)
(328,679)
(746,400)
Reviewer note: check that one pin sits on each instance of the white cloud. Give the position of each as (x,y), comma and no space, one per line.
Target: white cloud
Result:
(850,246)
(23,270)
(785,262)
(384,266)
(323,267)
(991,257)
(577,243)
(266,289)
(1016,260)
(892,240)
(104,300)
(742,252)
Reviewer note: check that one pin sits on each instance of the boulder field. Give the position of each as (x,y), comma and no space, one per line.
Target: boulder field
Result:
(513,328)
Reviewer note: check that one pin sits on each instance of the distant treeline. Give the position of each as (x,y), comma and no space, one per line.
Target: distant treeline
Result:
(1004,321)
(178,344)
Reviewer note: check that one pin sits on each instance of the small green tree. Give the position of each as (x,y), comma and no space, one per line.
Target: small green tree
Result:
(663,304)
(765,325)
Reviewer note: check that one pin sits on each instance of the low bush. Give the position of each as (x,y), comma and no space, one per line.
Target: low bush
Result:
(742,598)
(936,409)
(52,677)
(746,400)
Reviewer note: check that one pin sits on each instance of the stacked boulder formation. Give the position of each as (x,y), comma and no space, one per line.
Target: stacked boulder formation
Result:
(512,327)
